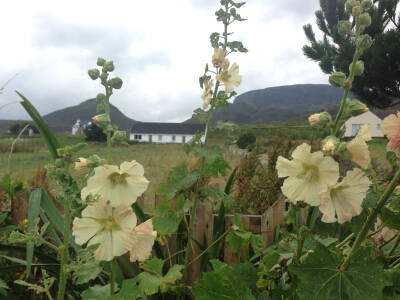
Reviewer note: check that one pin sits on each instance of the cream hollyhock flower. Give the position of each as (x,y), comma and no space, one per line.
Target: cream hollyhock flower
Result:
(207,93)
(230,78)
(110,227)
(314,119)
(391,128)
(219,58)
(118,185)
(358,147)
(308,174)
(343,201)
(143,237)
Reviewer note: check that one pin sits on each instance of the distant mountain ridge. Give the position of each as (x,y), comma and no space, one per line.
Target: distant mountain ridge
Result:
(280,104)
(85,111)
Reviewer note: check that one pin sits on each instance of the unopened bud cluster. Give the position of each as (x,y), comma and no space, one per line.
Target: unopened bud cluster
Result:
(107,67)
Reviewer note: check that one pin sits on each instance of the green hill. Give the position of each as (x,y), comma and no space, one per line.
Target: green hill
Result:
(280,104)
(85,111)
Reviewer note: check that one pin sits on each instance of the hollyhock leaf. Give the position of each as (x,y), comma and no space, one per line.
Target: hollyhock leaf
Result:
(320,278)
(390,218)
(173,274)
(149,284)
(167,223)
(129,291)
(87,272)
(154,266)
(96,292)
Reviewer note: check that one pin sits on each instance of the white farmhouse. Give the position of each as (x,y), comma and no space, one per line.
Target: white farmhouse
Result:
(79,126)
(354,124)
(162,133)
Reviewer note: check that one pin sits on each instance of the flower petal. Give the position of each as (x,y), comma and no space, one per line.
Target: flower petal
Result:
(84,229)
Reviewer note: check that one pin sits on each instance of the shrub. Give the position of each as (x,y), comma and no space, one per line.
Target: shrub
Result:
(94,133)
(246,139)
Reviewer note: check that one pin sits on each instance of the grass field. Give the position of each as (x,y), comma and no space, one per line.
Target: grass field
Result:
(156,159)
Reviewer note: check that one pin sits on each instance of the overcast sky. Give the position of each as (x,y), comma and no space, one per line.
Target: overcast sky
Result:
(159,49)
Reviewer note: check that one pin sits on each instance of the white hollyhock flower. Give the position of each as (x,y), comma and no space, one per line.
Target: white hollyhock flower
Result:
(308,174)
(119,186)
(110,227)
(230,78)
(207,93)
(142,241)
(358,147)
(343,201)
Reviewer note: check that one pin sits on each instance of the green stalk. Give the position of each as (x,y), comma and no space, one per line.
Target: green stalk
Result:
(112,277)
(371,219)
(108,132)
(344,242)
(64,251)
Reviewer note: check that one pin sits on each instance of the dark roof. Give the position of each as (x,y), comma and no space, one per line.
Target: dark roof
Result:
(168,128)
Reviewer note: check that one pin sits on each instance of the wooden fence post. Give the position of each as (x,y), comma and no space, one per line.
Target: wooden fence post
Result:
(270,219)
(203,227)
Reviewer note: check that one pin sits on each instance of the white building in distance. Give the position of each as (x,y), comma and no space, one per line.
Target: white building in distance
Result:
(78,127)
(163,133)
(354,124)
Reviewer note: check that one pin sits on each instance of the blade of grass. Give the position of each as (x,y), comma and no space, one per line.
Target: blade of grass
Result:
(230,182)
(49,138)
(33,214)
(220,229)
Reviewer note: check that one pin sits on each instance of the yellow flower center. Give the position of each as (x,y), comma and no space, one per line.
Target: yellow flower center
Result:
(110,224)
(336,191)
(309,171)
(117,178)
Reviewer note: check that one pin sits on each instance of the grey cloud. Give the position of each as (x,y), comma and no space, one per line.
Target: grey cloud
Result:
(298,10)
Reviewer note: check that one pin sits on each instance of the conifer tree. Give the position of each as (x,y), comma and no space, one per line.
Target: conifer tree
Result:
(379,86)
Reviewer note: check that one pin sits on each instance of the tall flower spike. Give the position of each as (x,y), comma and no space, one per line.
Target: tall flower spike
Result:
(230,78)
(110,227)
(343,201)
(308,174)
(391,128)
(118,185)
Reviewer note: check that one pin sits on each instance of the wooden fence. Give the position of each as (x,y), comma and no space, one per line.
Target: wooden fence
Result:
(204,224)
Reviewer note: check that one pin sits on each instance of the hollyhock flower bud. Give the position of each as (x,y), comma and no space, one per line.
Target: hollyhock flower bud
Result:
(94,73)
(359,68)
(109,66)
(101,62)
(101,120)
(366,4)
(103,76)
(94,161)
(329,144)
(356,11)
(337,79)
(344,28)
(350,4)
(364,42)
(100,97)
(115,83)
(320,119)
(364,20)
(357,108)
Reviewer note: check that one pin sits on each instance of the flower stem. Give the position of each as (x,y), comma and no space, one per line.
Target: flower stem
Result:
(108,131)
(112,277)
(371,219)
(208,248)
(344,242)
(64,251)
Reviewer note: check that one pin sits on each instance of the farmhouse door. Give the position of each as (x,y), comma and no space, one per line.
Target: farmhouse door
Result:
(150,138)
(184,139)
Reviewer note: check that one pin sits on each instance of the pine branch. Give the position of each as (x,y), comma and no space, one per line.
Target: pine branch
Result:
(309,32)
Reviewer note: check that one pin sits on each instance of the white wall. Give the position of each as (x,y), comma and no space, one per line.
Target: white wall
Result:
(165,139)
(366,118)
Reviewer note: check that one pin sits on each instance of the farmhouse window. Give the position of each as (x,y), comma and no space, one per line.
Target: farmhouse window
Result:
(138,136)
(355,128)
(160,138)
(183,139)
(378,126)
(173,138)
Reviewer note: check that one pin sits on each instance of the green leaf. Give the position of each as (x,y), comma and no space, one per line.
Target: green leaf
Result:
(167,223)
(227,282)
(237,46)
(230,182)
(97,292)
(214,39)
(7,229)
(87,272)
(3,216)
(33,214)
(3,284)
(150,283)
(320,278)
(129,291)
(49,138)
(390,218)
